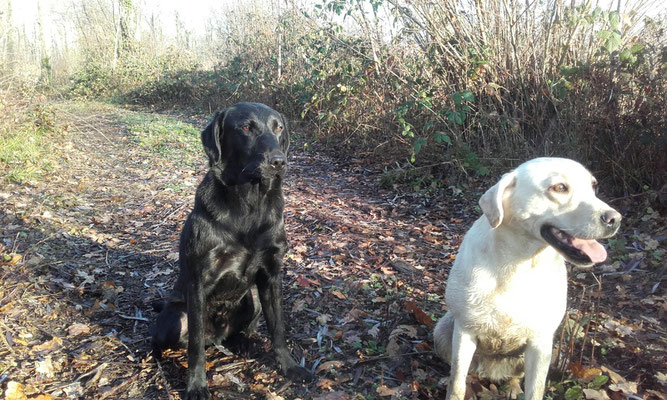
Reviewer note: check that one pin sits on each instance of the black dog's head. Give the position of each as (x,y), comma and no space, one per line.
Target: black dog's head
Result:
(247,141)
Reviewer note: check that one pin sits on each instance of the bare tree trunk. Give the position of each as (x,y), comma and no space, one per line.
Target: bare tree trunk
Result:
(45,65)
(155,49)
(280,44)
(9,41)
(116,47)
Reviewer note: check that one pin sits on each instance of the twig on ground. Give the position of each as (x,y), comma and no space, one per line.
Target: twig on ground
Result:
(378,358)
(3,327)
(96,372)
(119,386)
(134,318)
(165,382)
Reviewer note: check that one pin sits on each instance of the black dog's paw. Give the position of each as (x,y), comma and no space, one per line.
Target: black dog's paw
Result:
(299,374)
(197,393)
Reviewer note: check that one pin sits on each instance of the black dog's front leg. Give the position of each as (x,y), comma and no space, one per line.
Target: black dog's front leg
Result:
(270,295)
(197,386)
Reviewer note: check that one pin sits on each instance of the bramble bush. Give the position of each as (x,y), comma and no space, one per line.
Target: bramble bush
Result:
(450,89)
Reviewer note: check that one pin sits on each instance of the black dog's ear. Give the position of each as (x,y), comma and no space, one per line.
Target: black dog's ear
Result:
(284,136)
(210,137)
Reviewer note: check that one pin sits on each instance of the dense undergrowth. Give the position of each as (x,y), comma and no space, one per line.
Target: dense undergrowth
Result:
(435,91)
(457,90)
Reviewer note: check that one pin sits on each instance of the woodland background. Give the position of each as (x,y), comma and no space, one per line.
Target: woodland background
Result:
(448,86)
(402,112)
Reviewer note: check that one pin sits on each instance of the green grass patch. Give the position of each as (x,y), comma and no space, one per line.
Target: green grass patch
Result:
(164,135)
(25,146)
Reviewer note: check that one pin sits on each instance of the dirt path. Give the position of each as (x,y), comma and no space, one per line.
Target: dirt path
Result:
(364,279)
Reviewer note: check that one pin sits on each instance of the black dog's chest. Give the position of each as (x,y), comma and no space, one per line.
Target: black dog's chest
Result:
(230,286)
(233,271)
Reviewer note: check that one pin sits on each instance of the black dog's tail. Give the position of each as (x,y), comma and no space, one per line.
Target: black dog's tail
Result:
(158,305)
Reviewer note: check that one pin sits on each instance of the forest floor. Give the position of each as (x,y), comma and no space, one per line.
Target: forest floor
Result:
(86,249)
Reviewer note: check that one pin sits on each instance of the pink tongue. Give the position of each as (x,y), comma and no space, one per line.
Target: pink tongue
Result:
(591,248)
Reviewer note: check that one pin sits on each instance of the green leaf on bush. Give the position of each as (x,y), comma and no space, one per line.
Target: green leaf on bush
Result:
(418,144)
(407,131)
(442,137)
(604,35)
(468,96)
(636,48)
(614,20)
(574,393)
(625,54)
(458,99)
(598,382)
(458,117)
(613,42)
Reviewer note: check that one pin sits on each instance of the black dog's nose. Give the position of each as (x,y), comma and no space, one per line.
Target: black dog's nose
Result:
(278,161)
(611,218)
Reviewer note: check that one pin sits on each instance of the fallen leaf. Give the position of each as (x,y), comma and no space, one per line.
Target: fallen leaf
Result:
(384,391)
(322,319)
(596,394)
(272,396)
(77,329)
(625,387)
(329,365)
(620,329)
(306,282)
(45,367)
(338,294)
(586,374)
(420,315)
(7,306)
(34,261)
(354,314)
(326,384)
(423,346)
(392,347)
(14,391)
(73,390)
(8,260)
(337,395)
(298,305)
(220,380)
(615,377)
(407,330)
(50,345)
(400,250)
(657,394)
(101,219)
(374,331)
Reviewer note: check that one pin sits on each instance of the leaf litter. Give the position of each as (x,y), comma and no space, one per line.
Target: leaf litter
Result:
(84,254)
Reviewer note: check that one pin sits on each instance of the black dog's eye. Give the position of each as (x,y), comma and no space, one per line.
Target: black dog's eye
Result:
(245,127)
(559,188)
(279,129)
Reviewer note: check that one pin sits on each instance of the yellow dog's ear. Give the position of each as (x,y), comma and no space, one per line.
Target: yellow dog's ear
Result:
(491,201)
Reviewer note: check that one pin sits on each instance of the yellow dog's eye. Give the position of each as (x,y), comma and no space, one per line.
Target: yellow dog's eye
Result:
(560,188)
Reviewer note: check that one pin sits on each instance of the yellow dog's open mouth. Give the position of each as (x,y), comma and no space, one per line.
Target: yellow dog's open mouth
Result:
(577,250)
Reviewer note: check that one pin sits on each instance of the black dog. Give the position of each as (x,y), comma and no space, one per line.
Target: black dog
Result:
(233,241)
